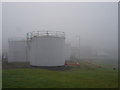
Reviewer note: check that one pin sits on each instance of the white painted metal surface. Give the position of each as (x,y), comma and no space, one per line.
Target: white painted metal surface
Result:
(28,50)
(17,51)
(47,51)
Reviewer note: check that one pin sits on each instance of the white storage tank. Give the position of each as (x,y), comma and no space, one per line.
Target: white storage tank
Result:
(46,48)
(17,50)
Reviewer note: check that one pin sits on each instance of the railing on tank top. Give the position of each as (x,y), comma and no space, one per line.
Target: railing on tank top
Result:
(33,34)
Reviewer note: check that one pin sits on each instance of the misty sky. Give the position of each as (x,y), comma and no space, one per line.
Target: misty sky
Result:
(0,29)
(96,23)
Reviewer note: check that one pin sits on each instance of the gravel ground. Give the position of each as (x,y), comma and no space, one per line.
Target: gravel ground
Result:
(16,65)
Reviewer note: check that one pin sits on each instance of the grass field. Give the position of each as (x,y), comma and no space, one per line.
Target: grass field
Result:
(86,76)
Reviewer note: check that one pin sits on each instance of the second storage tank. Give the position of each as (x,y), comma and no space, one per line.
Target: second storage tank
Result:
(17,50)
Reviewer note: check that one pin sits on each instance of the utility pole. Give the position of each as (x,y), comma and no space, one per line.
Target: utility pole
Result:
(79,47)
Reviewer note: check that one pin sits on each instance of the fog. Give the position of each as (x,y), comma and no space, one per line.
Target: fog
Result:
(0,29)
(95,23)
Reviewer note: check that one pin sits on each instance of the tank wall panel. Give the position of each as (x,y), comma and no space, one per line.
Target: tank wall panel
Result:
(47,51)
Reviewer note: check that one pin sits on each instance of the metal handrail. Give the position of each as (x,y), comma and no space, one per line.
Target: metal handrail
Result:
(33,34)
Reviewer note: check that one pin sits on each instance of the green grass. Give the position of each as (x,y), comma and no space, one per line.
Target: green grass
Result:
(0,78)
(75,78)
